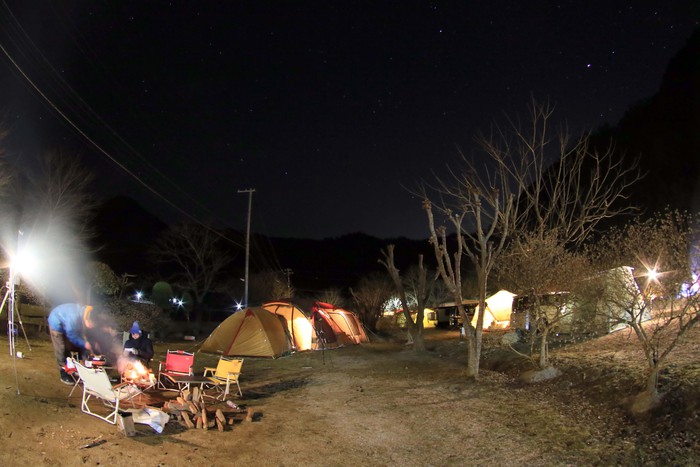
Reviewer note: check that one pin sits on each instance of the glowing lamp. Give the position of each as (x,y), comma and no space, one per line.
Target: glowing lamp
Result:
(652,274)
(24,264)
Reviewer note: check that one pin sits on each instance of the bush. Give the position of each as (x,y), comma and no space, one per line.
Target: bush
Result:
(149,316)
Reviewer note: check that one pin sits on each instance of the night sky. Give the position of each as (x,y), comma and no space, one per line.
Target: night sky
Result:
(327,109)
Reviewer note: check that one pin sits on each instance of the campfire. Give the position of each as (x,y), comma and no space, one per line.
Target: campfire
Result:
(137,373)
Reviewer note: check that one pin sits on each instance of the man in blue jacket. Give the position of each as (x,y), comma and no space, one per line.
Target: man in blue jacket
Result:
(68,324)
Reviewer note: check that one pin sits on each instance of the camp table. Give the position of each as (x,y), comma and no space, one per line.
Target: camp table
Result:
(186,381)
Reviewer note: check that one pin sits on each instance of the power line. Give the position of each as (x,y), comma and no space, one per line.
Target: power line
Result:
(47,100)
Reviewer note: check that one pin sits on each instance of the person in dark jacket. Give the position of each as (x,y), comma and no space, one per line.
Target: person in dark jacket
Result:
(139,346)
(68,325)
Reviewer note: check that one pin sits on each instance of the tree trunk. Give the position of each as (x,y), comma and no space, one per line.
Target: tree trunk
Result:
(472,358)
(474,334)
(544,349)
(649,398)
(418,342)
(653,381)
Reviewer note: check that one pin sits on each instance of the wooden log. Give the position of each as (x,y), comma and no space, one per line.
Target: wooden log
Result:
(196,396)
(175,407)
(205,424)
(220,416)
(187,420)
(199,422)
(212,423)
(186,394)
(173,413)
(219,424)
(249,415)
(230,421)
(193,407)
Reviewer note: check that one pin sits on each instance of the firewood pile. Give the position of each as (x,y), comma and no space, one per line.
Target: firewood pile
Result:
(191,410)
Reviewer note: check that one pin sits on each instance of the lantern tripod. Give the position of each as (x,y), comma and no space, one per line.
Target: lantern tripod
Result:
(9,305)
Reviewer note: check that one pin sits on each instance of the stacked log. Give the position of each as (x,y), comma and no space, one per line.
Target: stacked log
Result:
(194,414)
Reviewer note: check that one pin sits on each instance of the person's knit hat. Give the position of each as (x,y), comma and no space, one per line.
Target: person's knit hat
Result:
(135,328)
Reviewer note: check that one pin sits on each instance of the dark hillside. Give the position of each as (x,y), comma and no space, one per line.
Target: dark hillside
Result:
(663,133)
(125,232)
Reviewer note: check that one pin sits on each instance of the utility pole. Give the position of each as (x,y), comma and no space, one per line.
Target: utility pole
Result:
(250,192)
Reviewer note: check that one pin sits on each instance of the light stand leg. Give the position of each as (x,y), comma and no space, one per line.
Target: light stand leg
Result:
(21,325)
(10,325)
(19,317)
(11,313)
(4,300)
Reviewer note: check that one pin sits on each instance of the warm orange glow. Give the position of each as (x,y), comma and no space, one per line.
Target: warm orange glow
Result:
(498,310)
(136,372)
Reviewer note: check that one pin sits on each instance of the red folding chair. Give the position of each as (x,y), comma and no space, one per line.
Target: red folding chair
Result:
(177,362)
(73,373)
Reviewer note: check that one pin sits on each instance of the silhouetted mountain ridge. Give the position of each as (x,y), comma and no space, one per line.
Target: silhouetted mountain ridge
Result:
(126,231)
(664,133)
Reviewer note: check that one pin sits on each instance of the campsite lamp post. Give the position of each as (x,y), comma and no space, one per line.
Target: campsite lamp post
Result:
(652,276)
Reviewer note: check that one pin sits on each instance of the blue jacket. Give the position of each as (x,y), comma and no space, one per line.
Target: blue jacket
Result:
(68,319)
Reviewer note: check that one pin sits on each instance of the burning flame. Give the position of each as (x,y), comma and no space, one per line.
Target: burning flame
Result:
(137,372)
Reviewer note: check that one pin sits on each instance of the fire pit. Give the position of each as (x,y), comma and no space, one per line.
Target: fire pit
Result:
(137,374)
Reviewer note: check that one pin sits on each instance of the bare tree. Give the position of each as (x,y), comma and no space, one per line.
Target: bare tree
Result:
(53,221)
(548,276)
(422,289)
(414,281)
(60,197)
(369,296)
(662,304)
(333,295)
(533,184)
(480,211)
(269,285)
(6,171)
(198,259)
(559,207)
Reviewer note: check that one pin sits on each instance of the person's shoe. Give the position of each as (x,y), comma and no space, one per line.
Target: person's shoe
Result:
(66,379)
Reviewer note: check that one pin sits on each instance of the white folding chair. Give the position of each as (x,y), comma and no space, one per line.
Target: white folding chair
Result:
(96,385)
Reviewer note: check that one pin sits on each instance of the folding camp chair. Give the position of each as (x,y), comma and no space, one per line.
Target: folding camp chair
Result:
(71,371)
(227,372)
(96,385)
(177,362)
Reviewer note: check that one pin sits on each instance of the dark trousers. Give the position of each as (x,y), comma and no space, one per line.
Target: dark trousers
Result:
(62,348)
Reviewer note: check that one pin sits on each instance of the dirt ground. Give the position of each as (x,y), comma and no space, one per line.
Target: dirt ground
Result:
(376,404)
